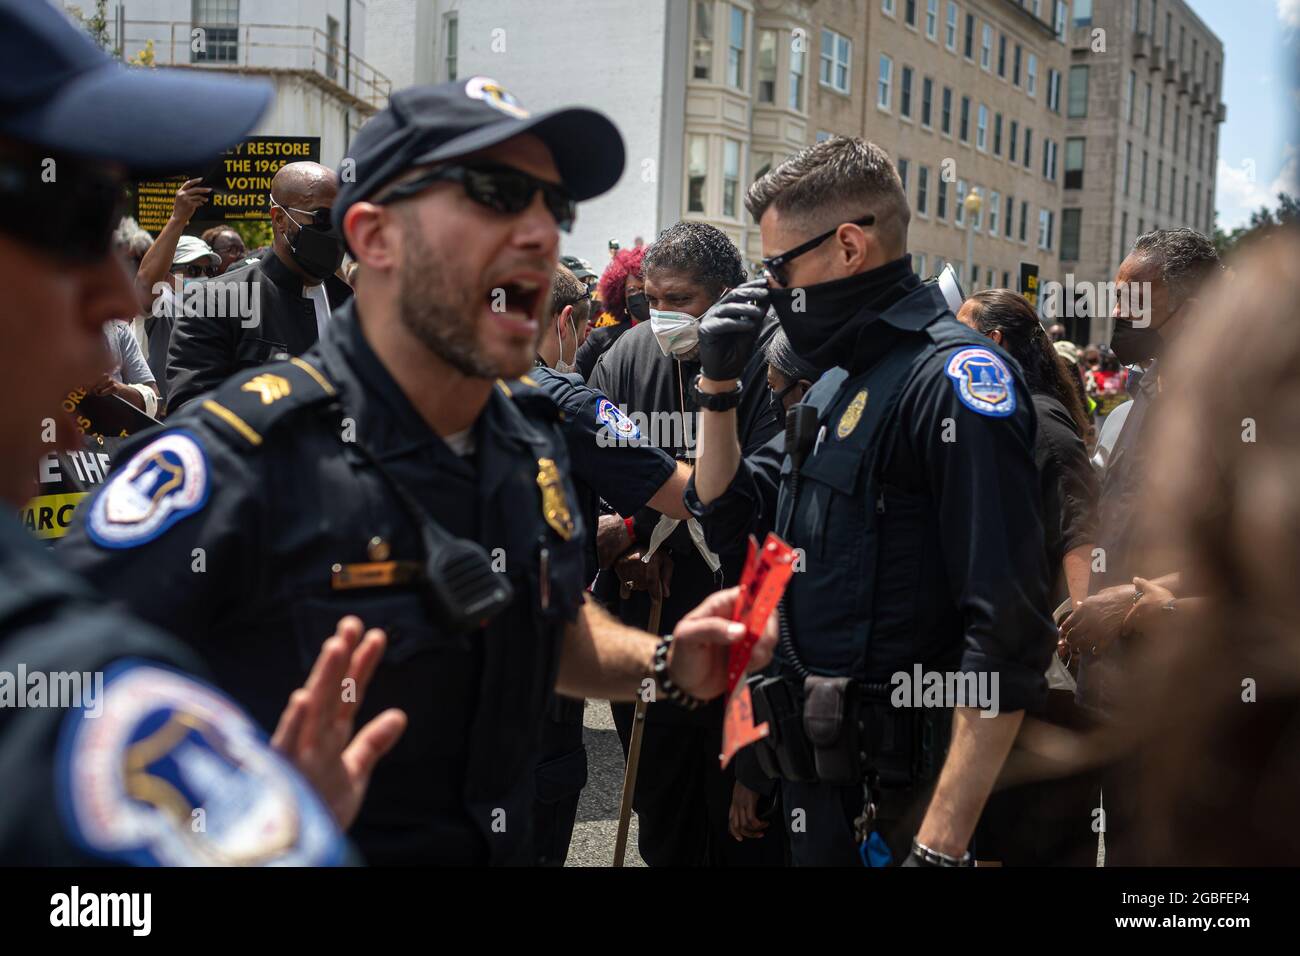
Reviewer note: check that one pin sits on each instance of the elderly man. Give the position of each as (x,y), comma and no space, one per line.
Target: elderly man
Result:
(268,310)
(226,243)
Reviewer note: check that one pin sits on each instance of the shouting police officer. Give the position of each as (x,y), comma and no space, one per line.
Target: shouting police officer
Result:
(392,470)
(123,763)
(908,483)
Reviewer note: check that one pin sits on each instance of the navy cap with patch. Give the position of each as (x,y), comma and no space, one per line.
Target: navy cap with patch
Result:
(60,92)
(431,124)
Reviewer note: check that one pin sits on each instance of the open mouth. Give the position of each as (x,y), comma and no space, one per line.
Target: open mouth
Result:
(519,298)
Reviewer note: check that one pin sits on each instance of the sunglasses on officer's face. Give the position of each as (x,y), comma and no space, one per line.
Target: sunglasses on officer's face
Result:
(60,206)
(776,265)
(502,189)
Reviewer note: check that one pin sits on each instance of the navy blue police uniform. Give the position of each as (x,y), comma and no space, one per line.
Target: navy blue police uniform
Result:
(306,490)
(609,462)
(916,514)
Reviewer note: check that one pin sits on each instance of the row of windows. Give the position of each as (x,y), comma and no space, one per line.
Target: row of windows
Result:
(970,278)
(1147,25)
(1130,117)
(1157,195)
(992,213)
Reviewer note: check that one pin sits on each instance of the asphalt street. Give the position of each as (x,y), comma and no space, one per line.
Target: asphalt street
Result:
(597,826)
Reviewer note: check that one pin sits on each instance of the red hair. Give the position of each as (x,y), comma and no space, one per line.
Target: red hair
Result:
(613,283)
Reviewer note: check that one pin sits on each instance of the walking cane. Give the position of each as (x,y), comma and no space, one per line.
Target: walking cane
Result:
(634,751)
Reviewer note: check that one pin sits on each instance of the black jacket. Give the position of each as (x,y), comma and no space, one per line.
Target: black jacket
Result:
(215,338)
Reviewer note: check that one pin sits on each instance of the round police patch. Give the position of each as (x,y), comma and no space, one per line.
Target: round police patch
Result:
(622,427)
(983,382)
(162,483)
(494,95)
(164,770)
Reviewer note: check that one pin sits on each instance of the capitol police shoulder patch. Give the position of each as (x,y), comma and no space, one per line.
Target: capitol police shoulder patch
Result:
(983,382)
(162,483)
(163,770)
(619,425)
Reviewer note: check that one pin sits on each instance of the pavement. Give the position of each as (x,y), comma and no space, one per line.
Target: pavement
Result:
(597,826)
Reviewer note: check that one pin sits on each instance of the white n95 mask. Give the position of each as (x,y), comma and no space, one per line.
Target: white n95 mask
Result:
(676,332)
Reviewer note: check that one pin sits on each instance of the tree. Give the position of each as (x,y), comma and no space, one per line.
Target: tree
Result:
(96,25)
(1262,222)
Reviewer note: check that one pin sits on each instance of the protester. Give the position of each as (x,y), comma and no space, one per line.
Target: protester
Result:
(682,798)
(73,802)
(568,318)
(268,310)
(130,378)
(622,294)
(226,243)
(788,376)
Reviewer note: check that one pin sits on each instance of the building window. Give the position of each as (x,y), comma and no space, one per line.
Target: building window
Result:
(730,177)
(1083,13)
(977,218)
(835,61)
(822,136)
(997,135)
(767,66)
(920,264)
(697,171)
(760,163)
(796,79)
(1128,165)
(887,6)
(882,83)
(736,50)
(1011,143)
(1062,17)
(965,119)
(1071,220)
(909,12)
(1130,94)
(1002,54)
(922,189)
(1146,113)
(927,93)
(219,21)
(941,203)
(947,111)
(902,174)
(1031,76)
(334,51)
(986,47)
(1049,159)
(995,204)
(1011,209)
(959,204)
(1123,235)
(1164,104)
(950,28)
(451,45)
(905,93)
(1074,162)
(931,18)
(1029,147)
(1054,90)
(1077,107)
(1186,180)
(1015,66)
(1160,176)
(1024,218)
(970,36)
(1045,229)
(703,40)
(982,129)
(1142,194)
(1173,187)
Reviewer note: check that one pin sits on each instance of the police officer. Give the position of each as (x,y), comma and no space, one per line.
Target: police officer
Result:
(908,483)
(84,687)
(611,464)
(393,470)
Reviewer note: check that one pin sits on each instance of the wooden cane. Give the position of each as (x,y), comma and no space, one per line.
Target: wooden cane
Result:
(634,751)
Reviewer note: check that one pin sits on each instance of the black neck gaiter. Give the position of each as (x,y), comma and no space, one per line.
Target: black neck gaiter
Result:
(824,321)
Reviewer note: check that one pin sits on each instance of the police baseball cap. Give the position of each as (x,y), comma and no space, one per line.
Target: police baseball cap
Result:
(423,125)
(60,92)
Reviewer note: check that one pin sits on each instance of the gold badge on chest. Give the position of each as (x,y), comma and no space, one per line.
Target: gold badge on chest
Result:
(555,505)
(852,415)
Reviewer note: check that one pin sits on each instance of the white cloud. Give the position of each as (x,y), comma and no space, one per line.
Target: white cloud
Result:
(1239,192)
(1288,11)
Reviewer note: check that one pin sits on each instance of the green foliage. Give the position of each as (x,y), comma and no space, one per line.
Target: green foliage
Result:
(1262,222)
(96,25)
(255,233)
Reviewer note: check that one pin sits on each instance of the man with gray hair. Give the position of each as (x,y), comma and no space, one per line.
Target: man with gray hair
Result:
(908,487)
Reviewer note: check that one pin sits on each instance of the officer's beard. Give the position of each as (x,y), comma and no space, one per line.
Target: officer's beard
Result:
(441,312)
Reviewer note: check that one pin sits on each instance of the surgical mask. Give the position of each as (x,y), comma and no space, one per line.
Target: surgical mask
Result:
(1133,345)
(318,252)
(638,306)
(676,332)
(560,364)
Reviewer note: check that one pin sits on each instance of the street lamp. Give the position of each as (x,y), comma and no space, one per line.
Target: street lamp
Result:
(972,203)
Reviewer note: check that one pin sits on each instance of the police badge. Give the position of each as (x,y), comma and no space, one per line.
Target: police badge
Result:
(555,505)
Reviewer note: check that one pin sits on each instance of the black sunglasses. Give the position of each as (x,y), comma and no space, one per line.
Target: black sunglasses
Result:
(501,188)
(775,266)
(198,270)
(71,217)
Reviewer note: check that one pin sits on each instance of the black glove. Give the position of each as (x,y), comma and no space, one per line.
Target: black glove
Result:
(729,330)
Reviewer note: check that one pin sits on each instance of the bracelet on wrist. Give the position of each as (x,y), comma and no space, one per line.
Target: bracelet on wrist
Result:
(928,857)
(667,688)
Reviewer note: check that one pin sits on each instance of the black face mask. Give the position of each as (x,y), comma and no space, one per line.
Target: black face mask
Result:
(638,306)
(834,313)
(318,252)
(1133,345)
(777,401)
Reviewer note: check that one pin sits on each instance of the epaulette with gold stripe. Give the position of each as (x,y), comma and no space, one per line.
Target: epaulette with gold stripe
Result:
(251,403)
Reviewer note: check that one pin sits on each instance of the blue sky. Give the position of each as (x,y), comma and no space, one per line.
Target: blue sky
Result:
(1261,41)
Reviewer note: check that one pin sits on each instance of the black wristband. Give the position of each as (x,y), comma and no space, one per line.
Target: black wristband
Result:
(670,691)
(715,401)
